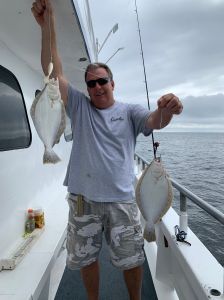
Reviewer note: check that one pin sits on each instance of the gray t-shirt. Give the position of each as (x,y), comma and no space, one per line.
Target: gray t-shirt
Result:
(101,165)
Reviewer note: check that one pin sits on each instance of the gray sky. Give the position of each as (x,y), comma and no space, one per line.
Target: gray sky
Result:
(183,45)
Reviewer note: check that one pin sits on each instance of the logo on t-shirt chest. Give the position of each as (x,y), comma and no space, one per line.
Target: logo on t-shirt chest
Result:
(115,119)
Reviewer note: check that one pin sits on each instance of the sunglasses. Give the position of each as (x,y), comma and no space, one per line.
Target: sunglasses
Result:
(100,81)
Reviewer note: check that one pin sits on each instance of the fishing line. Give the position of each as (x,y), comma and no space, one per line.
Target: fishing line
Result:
(155,145)
(49,23)
(50,65)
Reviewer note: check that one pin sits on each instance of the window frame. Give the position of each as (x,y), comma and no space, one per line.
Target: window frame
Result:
(10,74)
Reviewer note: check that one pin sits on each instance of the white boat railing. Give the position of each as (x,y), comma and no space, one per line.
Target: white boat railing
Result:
(184,195)
(170,260)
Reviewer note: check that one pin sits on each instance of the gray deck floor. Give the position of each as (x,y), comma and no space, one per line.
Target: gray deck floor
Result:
(112,286)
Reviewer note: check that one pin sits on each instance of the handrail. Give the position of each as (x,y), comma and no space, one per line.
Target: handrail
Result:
(212,211)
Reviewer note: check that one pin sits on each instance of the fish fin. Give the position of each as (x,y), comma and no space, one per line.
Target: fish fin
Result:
(62,126)
(35,101)
(50,157)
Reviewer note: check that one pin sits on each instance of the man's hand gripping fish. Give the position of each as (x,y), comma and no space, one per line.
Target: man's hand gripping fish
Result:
(48,115)
(154,196)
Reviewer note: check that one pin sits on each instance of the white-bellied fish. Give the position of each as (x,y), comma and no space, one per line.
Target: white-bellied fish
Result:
(48,115)
(154,195)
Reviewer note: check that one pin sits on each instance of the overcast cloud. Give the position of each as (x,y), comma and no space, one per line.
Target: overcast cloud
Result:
(183,47)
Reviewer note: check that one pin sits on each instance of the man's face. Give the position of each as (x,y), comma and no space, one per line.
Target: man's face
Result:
(101,95)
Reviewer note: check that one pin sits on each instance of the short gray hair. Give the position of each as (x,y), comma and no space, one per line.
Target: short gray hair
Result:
(97,65)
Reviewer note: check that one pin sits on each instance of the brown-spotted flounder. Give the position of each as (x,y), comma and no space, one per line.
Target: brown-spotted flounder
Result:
(154,196)
(48,115)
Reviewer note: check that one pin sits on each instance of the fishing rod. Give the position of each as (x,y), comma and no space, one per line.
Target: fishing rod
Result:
(155,145)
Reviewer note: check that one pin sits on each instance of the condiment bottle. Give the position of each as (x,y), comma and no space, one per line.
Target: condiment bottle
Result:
(30,222)
(39,217)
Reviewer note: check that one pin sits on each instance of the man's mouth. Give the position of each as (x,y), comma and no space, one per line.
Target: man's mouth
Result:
(99,94)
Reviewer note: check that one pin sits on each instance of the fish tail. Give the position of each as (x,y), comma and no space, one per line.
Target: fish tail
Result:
(50,157)
(149,232)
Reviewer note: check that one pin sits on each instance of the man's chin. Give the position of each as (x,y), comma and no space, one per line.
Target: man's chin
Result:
(102,103)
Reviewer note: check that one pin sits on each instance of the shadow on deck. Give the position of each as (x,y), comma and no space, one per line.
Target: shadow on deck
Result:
(112,285)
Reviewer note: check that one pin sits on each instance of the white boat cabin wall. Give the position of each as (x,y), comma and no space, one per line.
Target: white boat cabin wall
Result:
(25,181)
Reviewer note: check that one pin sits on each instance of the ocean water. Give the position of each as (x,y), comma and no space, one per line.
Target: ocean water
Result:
(196,161)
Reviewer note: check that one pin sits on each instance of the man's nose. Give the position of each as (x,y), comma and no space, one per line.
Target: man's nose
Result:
(98,86)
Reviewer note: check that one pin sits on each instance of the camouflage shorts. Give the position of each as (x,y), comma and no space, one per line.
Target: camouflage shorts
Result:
(121,226)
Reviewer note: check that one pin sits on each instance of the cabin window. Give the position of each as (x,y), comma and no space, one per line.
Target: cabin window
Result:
(14,125)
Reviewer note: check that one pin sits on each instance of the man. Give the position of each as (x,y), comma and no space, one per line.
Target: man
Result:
(100,172)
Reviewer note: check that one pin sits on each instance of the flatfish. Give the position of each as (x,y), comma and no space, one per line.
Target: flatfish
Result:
(48,115)
(154,195)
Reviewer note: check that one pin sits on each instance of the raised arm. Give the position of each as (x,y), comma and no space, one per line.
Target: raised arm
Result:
(44,15)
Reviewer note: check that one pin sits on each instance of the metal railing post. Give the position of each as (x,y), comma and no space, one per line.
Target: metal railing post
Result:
(183,220)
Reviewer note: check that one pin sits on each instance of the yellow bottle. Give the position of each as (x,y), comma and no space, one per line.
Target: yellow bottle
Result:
(39,217)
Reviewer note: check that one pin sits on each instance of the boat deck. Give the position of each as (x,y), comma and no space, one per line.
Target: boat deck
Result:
(112,285)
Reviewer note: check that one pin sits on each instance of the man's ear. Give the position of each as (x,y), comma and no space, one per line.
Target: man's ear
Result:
(112,84)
